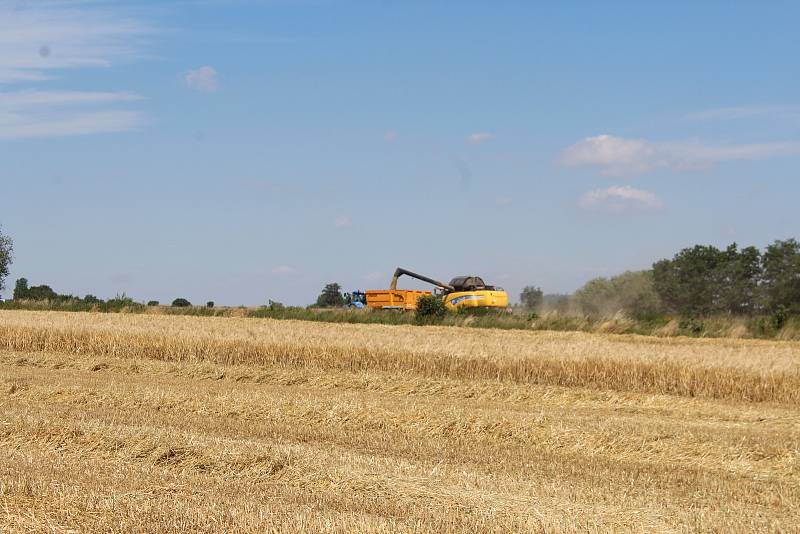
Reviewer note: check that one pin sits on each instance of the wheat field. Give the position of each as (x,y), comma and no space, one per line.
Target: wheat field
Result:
(140,423)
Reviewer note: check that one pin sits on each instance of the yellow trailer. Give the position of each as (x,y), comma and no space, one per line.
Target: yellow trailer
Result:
(394,299)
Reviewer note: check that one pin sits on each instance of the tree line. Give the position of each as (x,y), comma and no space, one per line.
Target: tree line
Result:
(699,281)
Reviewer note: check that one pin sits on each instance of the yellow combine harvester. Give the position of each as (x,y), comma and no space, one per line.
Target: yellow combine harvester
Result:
(461,292)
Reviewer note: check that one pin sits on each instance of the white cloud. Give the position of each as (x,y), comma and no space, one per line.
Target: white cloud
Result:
(32,98)
(204,79)
(34,113)
(618,156)
(343,221)
(40,41)
(479,137)
(283,269)
(614,155)
(620,199)
(50,125)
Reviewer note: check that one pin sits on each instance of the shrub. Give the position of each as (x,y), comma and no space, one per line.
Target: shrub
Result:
(181,303)
(331,296)
(43,292)
(120,303)
(121,300)
(531,298)
(274,305)
(631,292)
(210,304)
(430,308)
(779,316)
(21,289)
(152,303)
(91,299)
(691,326)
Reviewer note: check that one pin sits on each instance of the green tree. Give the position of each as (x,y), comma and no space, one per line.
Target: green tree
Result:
(6,257)
(181,303)
(781,276)
(688,283)
(331,296)
(637,295)
(738,277)
(42,292)
(531,297)
(704,280)
(631,292)
(21,289)
(597,297)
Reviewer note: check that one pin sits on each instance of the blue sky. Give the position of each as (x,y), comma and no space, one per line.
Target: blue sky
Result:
(241,151)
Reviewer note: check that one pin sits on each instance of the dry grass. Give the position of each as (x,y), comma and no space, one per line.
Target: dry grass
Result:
(152,423)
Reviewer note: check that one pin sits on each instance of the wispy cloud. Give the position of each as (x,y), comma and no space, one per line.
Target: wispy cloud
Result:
(479,137)
(32,98)
(343,221)
(49,125)
(40,41)
(503,201)
(620,199)
(390,136)
(618,156)
(283,269)
(204,79)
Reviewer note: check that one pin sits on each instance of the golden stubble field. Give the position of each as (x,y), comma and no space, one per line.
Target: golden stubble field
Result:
(138,423)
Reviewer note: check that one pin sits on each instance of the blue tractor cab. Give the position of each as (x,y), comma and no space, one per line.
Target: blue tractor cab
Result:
(356,299)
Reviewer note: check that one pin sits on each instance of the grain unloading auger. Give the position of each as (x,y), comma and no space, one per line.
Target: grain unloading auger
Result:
(461,292)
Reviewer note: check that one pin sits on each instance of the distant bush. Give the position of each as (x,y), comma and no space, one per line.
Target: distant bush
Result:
(21,289)
(779,317)
(274,306)
(430,308)
(181,303)
(690,326)
(631,292)
(45,293)
(531,298)
(210,304)
(331,296)
(120,302)
(42,292)
(121,299)
(91,299)
(152,303)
